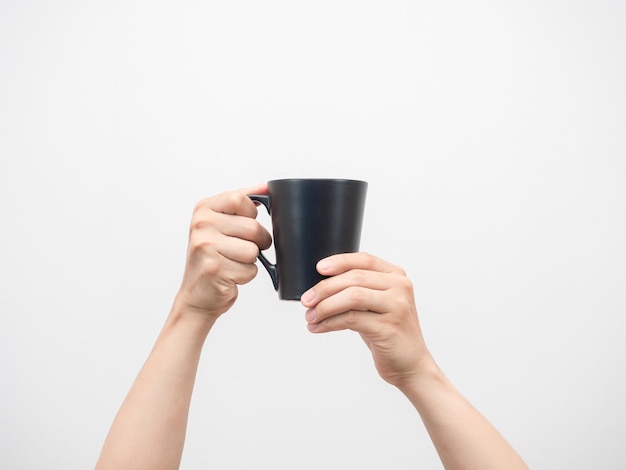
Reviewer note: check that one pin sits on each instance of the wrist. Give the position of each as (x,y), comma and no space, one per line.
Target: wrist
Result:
(426,378)
(194,322)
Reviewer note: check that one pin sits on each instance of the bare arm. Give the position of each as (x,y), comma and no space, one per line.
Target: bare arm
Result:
(149,429)
(461,434)
(375,298)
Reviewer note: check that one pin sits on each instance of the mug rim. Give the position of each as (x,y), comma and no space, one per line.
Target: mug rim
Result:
(347,180)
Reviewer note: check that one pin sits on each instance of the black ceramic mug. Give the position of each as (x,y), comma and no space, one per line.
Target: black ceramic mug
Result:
(311,219)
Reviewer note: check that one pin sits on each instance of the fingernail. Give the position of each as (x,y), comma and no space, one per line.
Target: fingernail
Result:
(310,315)
(325,264)
(308,296)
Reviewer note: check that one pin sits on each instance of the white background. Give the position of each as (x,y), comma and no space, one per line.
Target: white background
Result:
(493,138)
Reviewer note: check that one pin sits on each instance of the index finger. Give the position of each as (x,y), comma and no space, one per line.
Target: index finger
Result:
(260,188)
(341,263)
(233,202)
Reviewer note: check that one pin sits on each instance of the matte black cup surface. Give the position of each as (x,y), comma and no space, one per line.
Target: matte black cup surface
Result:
(311,219)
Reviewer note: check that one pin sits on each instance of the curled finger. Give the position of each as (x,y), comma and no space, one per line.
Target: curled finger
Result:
(355,320)
(352,298)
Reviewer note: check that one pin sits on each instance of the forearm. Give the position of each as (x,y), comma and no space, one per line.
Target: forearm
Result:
(463,437)
(149,429)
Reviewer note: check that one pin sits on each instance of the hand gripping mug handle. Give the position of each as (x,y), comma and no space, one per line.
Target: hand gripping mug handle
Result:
(270,267)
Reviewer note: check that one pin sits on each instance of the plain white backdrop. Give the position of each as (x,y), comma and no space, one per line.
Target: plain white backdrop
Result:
(493,138)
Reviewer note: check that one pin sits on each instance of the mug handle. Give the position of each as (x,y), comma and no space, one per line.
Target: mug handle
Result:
(271,268)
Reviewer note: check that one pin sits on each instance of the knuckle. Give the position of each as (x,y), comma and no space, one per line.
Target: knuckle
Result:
(406,284)
(351,319)
(249,252)
(322,311)
(200,205)
(239,203)
(196,244)
(201,220)
(358,277)
(369,259)
(198,223)
(357,296)
(252,228)
(211,267)
(255,233)
(322,287)
(233,198)
(201,248)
